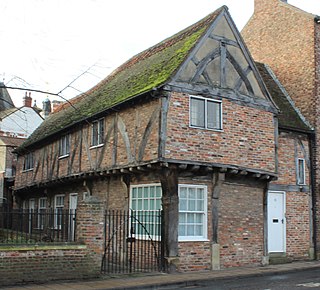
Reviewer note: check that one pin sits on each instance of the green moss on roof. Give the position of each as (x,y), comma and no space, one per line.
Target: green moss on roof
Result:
(148,70)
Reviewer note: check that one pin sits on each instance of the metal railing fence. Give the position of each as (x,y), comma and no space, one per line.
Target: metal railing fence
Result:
(28,226)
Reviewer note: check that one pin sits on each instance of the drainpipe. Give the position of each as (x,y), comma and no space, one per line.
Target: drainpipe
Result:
(312,145)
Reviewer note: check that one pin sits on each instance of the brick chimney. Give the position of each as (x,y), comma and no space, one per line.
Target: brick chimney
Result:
(27,100)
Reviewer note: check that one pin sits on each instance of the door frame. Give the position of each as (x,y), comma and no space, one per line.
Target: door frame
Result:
(284,246)
(72,212)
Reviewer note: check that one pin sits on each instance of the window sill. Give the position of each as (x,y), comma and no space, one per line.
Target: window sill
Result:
(209,129)
(27,170)
(96,146)
(63,156)
(190,239)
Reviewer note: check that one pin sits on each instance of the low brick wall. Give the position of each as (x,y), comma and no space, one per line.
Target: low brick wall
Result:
(21,264)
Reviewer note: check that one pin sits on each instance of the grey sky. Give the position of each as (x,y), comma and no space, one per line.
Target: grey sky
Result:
(49,43)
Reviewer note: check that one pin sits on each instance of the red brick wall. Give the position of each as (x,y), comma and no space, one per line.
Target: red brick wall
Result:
(282,36)
(194,256)
(247,138)
(241,223)
(298,225)
(290,147)
(43,264)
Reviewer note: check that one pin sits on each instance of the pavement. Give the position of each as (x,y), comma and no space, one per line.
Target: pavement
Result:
(163,280)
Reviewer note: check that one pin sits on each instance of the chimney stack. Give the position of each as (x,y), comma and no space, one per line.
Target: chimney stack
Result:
(27,100)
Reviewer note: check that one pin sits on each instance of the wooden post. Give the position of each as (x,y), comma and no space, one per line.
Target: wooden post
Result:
(217,180)
(170,204)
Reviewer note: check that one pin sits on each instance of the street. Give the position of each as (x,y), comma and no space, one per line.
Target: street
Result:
(307,279)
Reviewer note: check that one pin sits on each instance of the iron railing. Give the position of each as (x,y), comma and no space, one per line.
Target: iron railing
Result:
(28,226)
(133,242)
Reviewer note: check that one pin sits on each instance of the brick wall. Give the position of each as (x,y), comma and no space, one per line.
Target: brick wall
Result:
(298,225)
(247,138)
(282,36)
(45,263)
(290,147)
(241,224)
(194,256)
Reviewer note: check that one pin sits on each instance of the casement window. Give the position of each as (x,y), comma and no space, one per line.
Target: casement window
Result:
(64,145)
(42,212)
(97,133)
(58,210)
(301,174)
(192,208)
(28,161)
(205,113)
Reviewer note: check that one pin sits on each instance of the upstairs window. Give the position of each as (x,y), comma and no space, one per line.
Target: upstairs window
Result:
(205,113)
(301,174)
(28,161)
(64,145)
(97,132)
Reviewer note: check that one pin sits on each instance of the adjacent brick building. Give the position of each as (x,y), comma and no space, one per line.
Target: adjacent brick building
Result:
(287,39)
(190,126)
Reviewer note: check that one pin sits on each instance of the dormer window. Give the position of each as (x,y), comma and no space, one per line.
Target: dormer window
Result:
(64,145)
(97,133)
(205,113)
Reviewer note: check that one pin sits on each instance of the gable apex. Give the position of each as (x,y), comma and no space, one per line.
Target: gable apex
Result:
(220,64)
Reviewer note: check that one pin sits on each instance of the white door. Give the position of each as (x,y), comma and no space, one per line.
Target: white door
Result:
(73,201)
(276,222)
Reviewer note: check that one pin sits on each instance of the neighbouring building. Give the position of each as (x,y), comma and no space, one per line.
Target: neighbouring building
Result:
(16,124)
(288,40)
(194,126)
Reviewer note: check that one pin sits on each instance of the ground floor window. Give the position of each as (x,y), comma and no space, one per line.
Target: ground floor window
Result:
(58,208)
(192,207)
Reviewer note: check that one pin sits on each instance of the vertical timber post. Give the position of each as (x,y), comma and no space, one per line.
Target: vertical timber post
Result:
(170,204)
(217,181)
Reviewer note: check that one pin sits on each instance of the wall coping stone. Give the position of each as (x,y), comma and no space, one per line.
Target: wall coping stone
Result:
(8,248)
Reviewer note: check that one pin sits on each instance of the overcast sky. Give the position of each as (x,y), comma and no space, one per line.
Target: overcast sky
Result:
(46,44)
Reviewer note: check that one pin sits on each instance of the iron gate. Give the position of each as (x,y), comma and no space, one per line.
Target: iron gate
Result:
(133,242)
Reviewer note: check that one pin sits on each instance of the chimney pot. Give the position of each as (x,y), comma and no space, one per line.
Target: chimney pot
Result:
(27,100)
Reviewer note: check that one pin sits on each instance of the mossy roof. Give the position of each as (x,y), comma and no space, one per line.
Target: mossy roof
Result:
(142,73)
(289,116)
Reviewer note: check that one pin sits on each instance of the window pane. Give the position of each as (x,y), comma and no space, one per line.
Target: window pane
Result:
(182,204)
(192,193)
(197,112)
(199,230)
(182,231)
(134,192)
(191,205)
(213,115)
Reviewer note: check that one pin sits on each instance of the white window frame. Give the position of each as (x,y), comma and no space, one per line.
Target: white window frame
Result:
(57,207)
(150,201)
(204,236)
(64,146)
(205,113)
(41,208)
(301,171)
(28,162)
(203,213)
(97,133)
